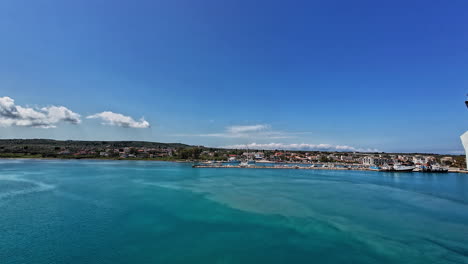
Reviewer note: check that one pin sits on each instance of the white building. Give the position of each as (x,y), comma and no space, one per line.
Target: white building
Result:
(346,158)
(418,160)
(259,155)
(464,139)
(429,159)
(368,160)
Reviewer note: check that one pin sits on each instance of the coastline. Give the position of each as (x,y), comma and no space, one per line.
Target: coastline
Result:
(221,166)
(313,168)
(103,159)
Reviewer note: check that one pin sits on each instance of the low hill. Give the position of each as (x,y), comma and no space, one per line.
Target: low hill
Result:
(39,145)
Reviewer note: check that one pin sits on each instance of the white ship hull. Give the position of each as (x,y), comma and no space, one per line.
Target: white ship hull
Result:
(403,168)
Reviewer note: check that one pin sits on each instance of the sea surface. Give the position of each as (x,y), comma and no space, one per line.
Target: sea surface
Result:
(55,211)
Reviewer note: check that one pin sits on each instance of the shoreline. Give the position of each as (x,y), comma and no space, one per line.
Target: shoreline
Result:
(224,166)
(94,159)
(315,168)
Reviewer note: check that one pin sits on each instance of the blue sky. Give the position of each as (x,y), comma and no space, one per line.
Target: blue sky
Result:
(386,75)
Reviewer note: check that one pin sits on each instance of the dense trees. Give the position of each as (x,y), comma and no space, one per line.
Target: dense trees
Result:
(189,153)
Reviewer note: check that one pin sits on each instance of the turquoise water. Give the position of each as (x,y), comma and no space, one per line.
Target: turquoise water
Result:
(156,212)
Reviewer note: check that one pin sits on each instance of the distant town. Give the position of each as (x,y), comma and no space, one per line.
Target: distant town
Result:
(139,150)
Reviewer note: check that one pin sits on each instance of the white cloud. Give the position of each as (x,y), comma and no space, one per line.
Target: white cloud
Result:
(46,117)
(116,119)
(246,129)
(302,146)
(250,131)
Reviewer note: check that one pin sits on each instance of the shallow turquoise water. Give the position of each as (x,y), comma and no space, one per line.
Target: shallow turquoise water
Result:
(155,212)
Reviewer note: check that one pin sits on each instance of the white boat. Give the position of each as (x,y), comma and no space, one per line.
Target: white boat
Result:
(434,168)
(386,167)
(233,160)
(210,162)
(244,164)
(402,168)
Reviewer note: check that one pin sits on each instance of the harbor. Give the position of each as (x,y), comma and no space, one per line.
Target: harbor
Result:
(355,167)
(273,167)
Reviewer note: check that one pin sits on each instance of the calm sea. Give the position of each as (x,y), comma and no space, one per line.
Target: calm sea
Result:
(155,212)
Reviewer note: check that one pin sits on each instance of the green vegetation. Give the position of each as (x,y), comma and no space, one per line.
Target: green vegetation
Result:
(142,150)
(20,156)
(75,149)
(190,153)
(29,144)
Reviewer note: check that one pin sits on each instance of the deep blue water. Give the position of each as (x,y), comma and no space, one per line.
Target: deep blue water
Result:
(155,212)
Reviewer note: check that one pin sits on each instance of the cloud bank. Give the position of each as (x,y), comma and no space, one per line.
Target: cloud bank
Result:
(46,117)
(250,131)
(116,119)
(302,146)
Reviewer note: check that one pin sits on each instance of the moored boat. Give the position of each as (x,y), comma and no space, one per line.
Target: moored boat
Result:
(403,168)
(233,160)
(434,168)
